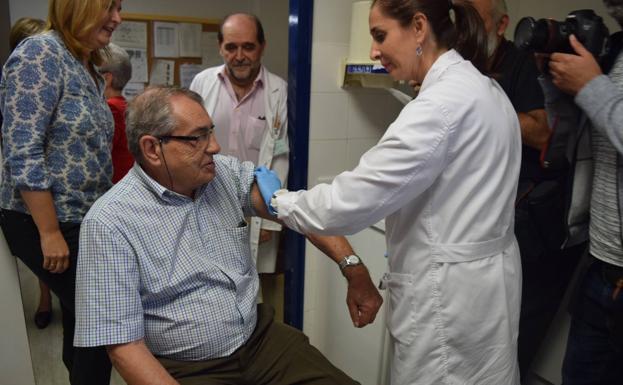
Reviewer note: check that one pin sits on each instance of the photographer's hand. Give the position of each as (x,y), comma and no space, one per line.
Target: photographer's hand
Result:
(571,72)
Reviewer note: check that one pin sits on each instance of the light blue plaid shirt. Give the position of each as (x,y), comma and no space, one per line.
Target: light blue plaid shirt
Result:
(177,272)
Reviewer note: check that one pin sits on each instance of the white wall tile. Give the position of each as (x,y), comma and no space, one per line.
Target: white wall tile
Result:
(326,158)
(309,326)
(332,21)
(311,276)
(326,59)
(370,113)
(328,116)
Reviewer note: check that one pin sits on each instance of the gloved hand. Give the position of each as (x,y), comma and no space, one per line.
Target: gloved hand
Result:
(268,182)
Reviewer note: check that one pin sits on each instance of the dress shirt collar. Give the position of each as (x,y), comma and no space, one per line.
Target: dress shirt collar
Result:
(159,190)
(258,82)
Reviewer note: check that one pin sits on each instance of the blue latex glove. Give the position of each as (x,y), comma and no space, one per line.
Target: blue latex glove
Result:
(268,182)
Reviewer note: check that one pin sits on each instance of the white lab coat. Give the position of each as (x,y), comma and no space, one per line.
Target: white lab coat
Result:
(274,148)
(445,176)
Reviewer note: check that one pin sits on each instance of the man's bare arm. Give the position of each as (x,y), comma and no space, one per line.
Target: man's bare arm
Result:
(137,365)
(363,299)
(535,131)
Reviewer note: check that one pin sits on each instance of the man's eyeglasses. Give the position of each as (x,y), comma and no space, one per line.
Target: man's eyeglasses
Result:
(201,140)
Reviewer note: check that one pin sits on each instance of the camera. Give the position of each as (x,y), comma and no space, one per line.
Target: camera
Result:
(547,35)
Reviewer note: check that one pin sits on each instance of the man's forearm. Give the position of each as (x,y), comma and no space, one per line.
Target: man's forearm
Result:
(335,247)
(137,365)
(534,128)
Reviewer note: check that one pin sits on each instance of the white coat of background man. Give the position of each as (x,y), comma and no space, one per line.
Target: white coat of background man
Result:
(249,108)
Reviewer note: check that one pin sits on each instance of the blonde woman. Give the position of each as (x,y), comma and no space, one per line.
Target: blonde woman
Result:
(24,27)
(57,132)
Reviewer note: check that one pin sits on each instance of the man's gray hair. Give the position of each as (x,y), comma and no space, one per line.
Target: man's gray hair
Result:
(151,113)
(118,64)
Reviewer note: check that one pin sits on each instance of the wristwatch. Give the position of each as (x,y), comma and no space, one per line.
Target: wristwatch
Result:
(351,260)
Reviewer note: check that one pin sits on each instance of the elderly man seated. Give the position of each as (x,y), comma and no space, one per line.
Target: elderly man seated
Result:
(165,278)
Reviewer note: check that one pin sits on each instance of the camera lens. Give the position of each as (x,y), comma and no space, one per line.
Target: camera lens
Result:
(531,34)
(548,35)
(559,36)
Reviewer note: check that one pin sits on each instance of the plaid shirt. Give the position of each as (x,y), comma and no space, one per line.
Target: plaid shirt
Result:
(175,271)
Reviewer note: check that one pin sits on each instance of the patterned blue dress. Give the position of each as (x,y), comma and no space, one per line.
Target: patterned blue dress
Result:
(57,129)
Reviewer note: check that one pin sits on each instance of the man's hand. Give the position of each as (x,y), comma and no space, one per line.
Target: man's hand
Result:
(268,182)
(265,235)
(363,299)
(571,73)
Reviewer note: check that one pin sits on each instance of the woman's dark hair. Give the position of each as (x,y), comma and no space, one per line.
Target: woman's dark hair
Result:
(466,33)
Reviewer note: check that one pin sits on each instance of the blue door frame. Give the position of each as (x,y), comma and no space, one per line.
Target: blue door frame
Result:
(299,86)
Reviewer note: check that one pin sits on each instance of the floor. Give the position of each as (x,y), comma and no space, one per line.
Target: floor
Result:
(45,344)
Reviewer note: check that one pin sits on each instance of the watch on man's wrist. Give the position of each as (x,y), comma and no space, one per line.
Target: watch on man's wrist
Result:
(350,260)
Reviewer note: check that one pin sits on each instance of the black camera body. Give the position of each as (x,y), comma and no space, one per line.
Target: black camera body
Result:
(548,35)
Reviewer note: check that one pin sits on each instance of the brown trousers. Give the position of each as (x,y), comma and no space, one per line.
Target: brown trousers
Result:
(274,354)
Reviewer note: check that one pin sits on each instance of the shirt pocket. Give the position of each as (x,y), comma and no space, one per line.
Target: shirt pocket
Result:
(401,321)
(237,248)
(255,132)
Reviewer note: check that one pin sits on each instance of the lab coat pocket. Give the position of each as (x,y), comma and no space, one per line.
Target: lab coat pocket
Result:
(255,132)
(402,307)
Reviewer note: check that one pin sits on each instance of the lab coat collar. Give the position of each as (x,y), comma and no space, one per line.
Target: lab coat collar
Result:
(439,67)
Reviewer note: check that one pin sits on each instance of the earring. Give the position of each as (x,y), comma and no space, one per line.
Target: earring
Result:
(418,50)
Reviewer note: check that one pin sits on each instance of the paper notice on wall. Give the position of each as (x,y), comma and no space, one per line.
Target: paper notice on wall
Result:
(188,72)
(131,34)
(138,59)
(190,39)
(210,56)
(132,89)
(166,39)
(162,72)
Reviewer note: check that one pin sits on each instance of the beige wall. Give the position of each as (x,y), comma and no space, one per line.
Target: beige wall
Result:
(274,16)
(190,8)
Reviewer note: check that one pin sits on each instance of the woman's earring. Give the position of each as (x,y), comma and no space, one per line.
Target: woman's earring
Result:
(418,50)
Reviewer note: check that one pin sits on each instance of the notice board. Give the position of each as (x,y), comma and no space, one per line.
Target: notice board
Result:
(166,49)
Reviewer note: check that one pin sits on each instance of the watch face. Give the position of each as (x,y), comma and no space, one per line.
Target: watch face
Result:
(352,260)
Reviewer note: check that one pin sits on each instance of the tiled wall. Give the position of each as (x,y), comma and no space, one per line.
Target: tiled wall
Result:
(343,125)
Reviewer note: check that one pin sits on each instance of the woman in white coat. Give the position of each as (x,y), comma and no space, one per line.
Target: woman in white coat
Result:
(444,176)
